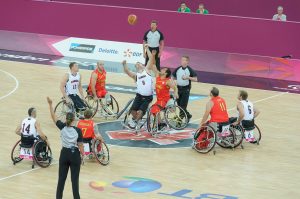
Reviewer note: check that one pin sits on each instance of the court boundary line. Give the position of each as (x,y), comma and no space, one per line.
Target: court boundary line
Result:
(16,86)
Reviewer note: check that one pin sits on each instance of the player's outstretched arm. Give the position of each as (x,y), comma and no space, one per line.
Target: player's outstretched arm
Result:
(80,88)
(53,116)
(209,105)
(63,85)
(256,112)
(41,133)
(127,71)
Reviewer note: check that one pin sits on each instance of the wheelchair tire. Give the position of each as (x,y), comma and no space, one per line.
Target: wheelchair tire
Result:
(15,153)
(179,122)
(101,152)
(113,107)
(42,158)
(257,135)
(92,104)
(239,135)
(151,123)
(204,139)
(223,144)
(60,107)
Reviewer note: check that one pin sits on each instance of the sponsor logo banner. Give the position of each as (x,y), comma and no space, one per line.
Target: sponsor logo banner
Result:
(84,48)
(100,50)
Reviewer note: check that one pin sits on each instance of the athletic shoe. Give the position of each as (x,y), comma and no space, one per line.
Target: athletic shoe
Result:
(132,124)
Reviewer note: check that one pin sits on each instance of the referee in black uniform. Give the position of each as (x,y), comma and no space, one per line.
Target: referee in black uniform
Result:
(184,76)
(155,40)
(71,138)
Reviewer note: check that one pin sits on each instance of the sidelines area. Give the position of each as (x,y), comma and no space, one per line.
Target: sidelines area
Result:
(16,86)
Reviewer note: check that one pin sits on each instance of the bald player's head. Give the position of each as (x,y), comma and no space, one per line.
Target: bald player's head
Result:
(100,65)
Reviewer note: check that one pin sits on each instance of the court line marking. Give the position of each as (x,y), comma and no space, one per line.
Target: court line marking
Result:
(16,87)
(257,101)
(23,172)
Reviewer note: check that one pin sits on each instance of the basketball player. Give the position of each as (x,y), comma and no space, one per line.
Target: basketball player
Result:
(96,87)
(70,85)
(217,109)
(246,114)
(163,85)
(30,127)
(144,95)
(88,128)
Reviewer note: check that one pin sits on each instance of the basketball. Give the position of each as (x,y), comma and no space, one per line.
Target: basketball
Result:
(132,19)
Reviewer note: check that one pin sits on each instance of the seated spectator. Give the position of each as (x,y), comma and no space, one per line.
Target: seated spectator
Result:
(184,8)
(279,16)
(201,9)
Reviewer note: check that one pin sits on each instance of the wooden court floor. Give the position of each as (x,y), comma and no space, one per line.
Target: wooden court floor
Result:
(270,170)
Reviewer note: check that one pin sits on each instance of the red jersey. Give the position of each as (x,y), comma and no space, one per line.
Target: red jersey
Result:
(87,128)
(100,82)
(162,89)
(218,112)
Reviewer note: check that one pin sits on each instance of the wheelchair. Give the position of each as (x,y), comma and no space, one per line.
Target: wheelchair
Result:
(206,137)
(62,108)
(33,149)
(93,148)
(106,107)
(244,129)
(170,117)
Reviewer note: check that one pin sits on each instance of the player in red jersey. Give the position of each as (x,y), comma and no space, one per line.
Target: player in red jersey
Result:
(96,87)
(216,108)
(88,128)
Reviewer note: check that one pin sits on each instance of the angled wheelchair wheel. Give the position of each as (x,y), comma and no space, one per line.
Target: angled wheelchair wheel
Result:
(101,152)
(61,110)
(110,106)
(176,117)
(42,154)
(204,139)
(257,135)
(238,135)
(152,121)
(15,153)
(227,141)
(92,104)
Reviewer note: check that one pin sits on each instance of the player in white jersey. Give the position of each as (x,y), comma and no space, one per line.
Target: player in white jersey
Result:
(144,84)
(30,127)
(246,113)
(70,85)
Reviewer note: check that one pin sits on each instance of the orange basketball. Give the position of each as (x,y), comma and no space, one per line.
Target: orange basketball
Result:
(132,19)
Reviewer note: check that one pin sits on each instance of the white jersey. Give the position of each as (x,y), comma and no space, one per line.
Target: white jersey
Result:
(28,127)
(248,110)
(72,84)
(144,83)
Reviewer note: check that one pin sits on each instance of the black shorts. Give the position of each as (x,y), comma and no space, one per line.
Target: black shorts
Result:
(141,103)
(78,102)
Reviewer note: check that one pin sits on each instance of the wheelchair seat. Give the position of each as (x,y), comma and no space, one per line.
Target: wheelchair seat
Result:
(221,124)
(27,141)
(248,125)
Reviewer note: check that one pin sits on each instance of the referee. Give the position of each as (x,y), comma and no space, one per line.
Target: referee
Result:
(155,40)
(71,138)
(184,76)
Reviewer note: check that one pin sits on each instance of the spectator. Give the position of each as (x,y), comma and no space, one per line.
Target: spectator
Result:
(183,8)
(279,16)
(201,9)
(155,40)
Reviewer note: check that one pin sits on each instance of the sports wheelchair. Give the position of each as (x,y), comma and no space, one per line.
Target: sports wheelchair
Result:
(170,117)
(245,129)
(106,107)
(62,108)
(94,148)
(206,137)
(34,149)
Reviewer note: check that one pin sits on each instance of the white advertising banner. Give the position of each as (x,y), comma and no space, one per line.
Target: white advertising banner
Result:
(100,50)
